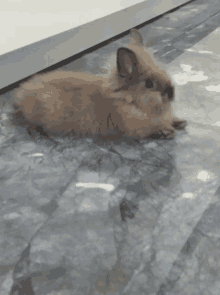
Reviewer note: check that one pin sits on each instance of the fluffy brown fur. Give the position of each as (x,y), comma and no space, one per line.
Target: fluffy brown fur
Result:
(135,98)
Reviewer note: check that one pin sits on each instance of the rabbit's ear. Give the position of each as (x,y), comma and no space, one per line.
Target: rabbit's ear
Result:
(126,63)
(135,38)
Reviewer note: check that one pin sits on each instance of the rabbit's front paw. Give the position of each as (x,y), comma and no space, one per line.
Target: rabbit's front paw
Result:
(164,133)
(179,124)
(167,133)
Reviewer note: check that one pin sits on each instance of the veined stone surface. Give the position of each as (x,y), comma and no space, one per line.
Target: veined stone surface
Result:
(78,218)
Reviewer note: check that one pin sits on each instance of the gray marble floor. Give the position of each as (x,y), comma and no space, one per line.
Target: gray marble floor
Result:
(82,218)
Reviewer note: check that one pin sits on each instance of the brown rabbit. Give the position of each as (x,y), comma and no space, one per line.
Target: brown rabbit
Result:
(134,98)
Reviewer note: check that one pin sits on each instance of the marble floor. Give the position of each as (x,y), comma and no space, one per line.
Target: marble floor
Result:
(78,218)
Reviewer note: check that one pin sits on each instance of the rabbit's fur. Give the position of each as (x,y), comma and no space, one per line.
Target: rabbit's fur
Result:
(134,99)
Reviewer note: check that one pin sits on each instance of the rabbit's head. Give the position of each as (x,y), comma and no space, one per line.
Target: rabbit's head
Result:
(140,78)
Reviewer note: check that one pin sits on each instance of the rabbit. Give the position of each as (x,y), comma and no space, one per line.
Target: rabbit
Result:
(133,99)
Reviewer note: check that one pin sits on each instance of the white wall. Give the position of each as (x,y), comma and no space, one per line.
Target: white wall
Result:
(38,34)
(28,21)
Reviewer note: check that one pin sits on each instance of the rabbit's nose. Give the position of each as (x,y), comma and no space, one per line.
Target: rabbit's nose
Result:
(169,91)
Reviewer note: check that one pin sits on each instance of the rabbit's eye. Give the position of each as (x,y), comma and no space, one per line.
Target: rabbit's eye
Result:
(149,84)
